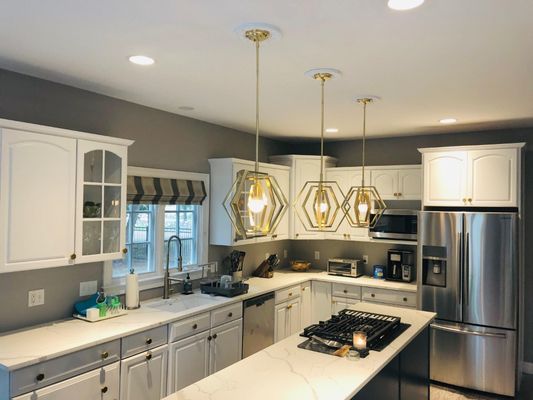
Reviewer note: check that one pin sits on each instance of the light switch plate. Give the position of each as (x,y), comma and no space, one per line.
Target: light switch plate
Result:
(35,297)
(88,288)
(317,255)
(285,253)
(365,259)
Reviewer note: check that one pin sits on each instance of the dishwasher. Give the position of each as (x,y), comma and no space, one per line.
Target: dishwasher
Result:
(258,324)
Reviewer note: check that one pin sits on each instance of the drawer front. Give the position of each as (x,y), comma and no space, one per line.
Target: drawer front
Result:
(57,369)
(406,299)
(101,383)
(344,290)
(142,341)
(287,294)
(226,314)
(189,326)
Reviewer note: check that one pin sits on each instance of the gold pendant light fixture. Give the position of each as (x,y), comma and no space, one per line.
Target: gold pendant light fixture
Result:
(319,203)
(255,202)
(363,204)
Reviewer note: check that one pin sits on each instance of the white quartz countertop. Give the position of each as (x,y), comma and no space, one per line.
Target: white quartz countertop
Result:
(284,371)
(21,348)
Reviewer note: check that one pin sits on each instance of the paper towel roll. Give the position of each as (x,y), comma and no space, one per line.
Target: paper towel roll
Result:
(132,291)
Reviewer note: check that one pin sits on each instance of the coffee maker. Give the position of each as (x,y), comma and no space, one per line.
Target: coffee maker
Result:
(400,265)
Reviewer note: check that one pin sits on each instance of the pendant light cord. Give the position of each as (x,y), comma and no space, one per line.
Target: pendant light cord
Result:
(257,106)
(364,140)
(322,80)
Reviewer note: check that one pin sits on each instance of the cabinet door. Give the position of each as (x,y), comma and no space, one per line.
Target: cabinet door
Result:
(386,182)
(283,178)
(37,200)
(226,345)
(294,317)
(237,167)
(337,304)
(342,177)
(410,184)
(188,361)
(445,176)
(101,201)
(99,384)
(144,376)
(304,170)
(493,178)
(281,321)
(321,301)
(306,304)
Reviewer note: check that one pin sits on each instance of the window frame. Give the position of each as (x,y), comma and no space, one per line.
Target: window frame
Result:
(155,279)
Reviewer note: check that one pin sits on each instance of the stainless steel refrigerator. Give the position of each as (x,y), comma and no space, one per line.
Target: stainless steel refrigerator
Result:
(467,274)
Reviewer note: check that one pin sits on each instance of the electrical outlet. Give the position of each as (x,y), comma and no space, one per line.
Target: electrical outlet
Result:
(35,297)
(317,255)
(88,288)
(365,259)
(285,253)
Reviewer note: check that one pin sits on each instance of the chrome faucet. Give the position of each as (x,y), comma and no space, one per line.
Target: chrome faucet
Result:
(167,279)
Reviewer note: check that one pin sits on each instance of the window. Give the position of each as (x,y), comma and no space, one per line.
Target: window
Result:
(148,228)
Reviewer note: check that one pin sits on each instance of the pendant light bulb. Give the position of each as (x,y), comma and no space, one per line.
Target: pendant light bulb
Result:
(257,199)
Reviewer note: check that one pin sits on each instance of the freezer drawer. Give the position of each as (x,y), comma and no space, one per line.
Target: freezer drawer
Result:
(473,357)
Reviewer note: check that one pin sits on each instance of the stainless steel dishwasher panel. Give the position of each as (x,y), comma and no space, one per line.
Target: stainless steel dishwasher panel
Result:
(258,324)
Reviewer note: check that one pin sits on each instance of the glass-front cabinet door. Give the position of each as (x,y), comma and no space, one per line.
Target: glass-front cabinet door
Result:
(101,208)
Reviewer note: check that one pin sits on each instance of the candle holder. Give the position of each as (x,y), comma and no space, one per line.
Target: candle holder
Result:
(359,343)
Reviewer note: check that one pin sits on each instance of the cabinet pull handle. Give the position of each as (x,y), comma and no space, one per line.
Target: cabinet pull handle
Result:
(209,338)
(148,356)
(195,326)
(105,354)
(303,289)
(230,315)
(289,306)
(345,291)
(215,336)
(464,200)
(274,236)
(470,200)
(297,235)
(290,294)
(39,377)
(104,389)
(149,341)
(373,295)
(73,256)
(125,250)
(405,299)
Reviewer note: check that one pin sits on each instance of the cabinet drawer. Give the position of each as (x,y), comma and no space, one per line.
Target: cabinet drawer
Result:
(407,299)
(189,326)
(57,369)
(344,290)
(286,294)
(226,314)
(143,341)
(101,383)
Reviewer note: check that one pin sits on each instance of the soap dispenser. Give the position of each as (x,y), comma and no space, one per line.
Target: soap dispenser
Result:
(187,285)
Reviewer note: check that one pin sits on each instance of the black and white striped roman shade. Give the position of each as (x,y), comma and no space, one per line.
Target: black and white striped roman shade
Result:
(146,190)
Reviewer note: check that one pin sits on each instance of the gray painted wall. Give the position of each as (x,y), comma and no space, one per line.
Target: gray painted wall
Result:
(162,140)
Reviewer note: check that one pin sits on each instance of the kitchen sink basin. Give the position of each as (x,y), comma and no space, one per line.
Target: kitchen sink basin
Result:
(180,303)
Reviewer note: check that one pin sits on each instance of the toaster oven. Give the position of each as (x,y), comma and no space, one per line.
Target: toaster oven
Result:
(345,267)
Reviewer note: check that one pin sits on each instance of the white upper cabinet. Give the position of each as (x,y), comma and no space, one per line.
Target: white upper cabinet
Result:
(42,196)
(477,176)
(223,172)
(397,182)
(37,198)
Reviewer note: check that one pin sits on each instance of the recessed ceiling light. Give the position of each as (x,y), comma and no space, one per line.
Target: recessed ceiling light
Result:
(141,60)
(448,121)
(185,108)
(332,130)
(402,5)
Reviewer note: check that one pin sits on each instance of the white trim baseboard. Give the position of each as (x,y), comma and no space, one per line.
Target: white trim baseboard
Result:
(527,368)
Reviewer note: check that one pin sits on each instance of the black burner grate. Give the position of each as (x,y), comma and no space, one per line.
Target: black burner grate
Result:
(341,327)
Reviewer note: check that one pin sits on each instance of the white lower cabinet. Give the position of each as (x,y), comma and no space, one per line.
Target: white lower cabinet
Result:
(306,300)
(287,320)
(99,384)
(321,300)
(226,345)
(392,297)
(189,361)
(340,303)
(144,376)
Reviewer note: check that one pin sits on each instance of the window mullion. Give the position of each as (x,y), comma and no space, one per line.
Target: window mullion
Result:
(159,239)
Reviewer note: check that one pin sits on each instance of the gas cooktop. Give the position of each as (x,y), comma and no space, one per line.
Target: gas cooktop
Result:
(380,329)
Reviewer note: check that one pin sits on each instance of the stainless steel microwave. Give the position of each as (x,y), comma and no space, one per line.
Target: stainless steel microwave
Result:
(345,267)
(396,224)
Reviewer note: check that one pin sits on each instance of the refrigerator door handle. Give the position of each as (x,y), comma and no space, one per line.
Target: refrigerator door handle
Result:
(467,268)
(460,262)
(468,332)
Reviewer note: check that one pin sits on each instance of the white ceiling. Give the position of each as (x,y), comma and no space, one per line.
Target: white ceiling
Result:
(468,59)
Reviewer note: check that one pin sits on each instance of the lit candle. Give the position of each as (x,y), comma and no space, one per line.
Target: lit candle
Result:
(359,340)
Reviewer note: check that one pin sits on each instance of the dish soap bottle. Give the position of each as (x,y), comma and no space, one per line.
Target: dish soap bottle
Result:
(187,285)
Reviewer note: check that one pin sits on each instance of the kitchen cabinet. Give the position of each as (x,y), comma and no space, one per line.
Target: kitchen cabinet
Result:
(306,300)
(42,186)
(287,320)
(99,384)
(343,296)
(189,361)
(302,169)
(472,176)
(397,182)
(321,300)
(225,345)
(341,303)
(144,376)
(223,172)
(386,296)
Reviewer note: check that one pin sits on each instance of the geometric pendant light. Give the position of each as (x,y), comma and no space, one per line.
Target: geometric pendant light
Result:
(255,203)
(363,204)
(319,203)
